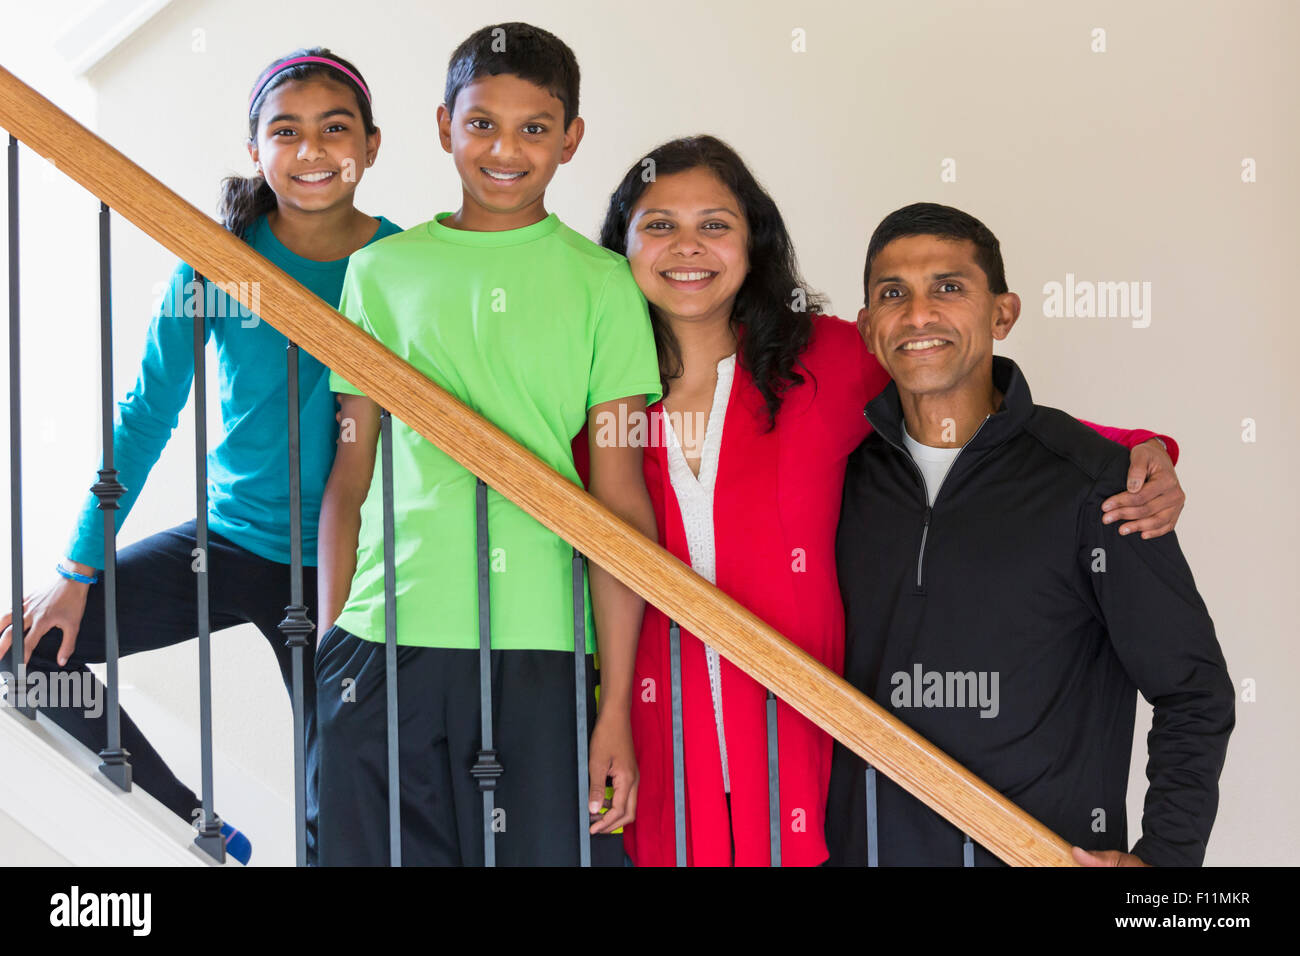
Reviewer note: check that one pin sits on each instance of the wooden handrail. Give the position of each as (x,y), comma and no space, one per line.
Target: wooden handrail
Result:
(664,581)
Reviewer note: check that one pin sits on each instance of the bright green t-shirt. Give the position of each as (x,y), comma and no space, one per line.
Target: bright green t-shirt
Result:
(530,328)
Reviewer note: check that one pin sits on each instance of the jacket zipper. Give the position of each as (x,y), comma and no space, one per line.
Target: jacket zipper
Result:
(929,510)
(925,533)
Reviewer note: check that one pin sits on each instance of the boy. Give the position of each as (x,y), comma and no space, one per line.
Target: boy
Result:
(539,330)
(988,606)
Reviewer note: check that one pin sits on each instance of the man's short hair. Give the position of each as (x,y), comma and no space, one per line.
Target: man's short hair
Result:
(521,50)
(932,219)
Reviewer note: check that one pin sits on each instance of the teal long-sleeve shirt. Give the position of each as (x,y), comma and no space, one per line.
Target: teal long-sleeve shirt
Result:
(248,468)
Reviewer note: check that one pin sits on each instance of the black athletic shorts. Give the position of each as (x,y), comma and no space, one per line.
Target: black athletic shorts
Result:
(537,799)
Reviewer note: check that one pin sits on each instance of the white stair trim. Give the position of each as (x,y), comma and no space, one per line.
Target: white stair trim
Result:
(51,785)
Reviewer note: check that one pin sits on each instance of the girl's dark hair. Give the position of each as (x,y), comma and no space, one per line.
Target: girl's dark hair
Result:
(244,198)
(773,304)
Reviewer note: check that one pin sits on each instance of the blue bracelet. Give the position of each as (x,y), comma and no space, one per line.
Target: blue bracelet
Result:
(74,576)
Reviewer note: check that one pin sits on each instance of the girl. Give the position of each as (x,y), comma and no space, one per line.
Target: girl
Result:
(311,135)
(781,392)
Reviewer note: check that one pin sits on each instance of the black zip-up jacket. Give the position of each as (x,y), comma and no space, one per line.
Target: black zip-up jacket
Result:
(1011,628)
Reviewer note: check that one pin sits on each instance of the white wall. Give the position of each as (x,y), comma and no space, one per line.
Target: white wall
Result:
(1122,165)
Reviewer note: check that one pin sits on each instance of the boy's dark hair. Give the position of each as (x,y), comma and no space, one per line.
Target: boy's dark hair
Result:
(776,329)
(519,49)
(244,198)
(932,219)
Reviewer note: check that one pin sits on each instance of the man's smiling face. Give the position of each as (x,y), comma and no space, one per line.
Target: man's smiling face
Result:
(931,319)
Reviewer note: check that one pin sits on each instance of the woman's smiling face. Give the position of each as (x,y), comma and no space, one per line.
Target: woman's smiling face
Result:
(688,243)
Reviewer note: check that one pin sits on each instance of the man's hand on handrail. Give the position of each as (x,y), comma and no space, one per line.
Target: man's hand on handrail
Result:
(1105,858)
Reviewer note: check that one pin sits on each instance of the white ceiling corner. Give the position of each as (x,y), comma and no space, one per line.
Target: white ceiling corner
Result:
(105,27)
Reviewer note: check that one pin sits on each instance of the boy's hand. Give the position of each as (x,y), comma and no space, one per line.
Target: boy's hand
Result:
(1154,499)
(611,755)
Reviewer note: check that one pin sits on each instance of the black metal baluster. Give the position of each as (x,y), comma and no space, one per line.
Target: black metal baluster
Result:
(773,781)
(296,626)
(390,641)
(487,768)
(679,755)
(873,831)
(967,851)
(580,683)
(209,839)
(115,760)
(17,668)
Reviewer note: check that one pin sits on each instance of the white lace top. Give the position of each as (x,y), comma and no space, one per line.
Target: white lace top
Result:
(695,499)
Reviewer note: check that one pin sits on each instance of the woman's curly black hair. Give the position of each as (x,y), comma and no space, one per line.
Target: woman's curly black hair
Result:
(773,305)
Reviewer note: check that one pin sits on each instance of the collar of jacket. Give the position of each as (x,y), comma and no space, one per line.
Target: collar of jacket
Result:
(885,411)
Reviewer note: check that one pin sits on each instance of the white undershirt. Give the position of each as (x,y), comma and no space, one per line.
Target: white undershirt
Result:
(695,499)
(933,462)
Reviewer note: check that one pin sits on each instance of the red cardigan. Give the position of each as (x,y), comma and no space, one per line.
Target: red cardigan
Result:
(776,507)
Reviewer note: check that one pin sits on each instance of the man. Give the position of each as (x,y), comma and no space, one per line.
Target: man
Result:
(988,606)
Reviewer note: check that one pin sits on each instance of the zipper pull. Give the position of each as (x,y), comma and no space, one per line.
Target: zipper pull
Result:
(920,555)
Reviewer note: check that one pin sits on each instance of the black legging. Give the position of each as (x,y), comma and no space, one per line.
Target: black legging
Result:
(157,607)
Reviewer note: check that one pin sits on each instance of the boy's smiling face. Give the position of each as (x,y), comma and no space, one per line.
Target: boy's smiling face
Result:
(507,138)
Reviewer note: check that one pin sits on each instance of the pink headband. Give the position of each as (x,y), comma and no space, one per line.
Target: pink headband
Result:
(279,67)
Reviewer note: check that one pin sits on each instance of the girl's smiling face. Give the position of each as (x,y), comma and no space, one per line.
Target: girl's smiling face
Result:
(688,243)
(312,145)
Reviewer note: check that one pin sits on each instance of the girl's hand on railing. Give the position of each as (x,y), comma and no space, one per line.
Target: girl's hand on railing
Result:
(60,605)
(612,755)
